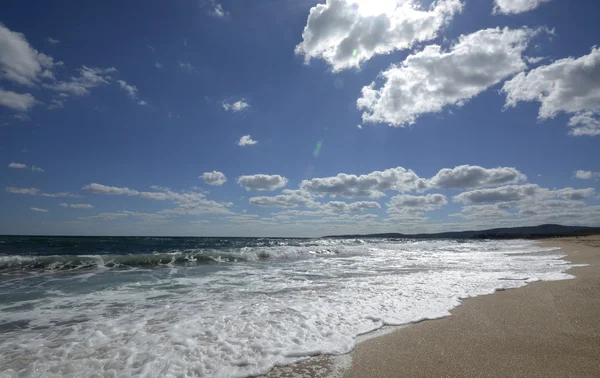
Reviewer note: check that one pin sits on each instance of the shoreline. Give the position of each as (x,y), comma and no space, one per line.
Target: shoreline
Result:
(545,328)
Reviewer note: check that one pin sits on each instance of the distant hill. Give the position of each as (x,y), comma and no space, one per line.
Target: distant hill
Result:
(533,232)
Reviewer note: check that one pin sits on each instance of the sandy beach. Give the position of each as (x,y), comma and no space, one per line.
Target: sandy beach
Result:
(546,329)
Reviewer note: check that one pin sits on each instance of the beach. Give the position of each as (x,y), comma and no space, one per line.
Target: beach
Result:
(545,329)
(229,307)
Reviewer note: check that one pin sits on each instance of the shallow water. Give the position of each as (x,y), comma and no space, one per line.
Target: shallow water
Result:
(185,307)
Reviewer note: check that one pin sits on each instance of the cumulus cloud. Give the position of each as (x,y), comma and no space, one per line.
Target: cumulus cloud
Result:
(586,175)
(516,193)
(16,101)
(370,185)
(21,63)
(24,166)
(346,33)
(508,193)
(111,190)
(192,203)
(571,193)
(262,182)
(246,140)
(214,178)
(76,205)
(568,85)
(37,209)
(516,6)
(17,166)
(289,199)
(37,192)
(585,123)
(407,205)
(433,79)
(237,106)
(474,212)
(472,176)
(81,85)
(343,207)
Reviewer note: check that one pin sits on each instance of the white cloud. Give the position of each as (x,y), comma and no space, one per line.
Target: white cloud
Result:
(21,63)
(517,193)
(192,203)
(516,6)
(586,175)
(76,205)
(17,165)
(568,85)
(508,193)
(585,123)
(158,65)
(52,40)
(359,126)
(472,176)
(237,106)
(407,206)
(343,207)
(37,192)
(38,209)
(370,185)
(22,117)
(289,199)
(262,182)
(112,190)
(105,216)
(142,103)
(186,66)
(88,78)
(246,140)
(17,101)
(27,191)
(24,166)
(56,103)
(131,90)
(214,178)
(151,48)
(571,193)
(216,10)
(346,33)
(433,79)
(474,212)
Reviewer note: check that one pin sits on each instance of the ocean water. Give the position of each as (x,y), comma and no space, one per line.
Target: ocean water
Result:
(231,307)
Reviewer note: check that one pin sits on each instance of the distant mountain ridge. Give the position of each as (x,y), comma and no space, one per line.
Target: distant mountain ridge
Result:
(531,232)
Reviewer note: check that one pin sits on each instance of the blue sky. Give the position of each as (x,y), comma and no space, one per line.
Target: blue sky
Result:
(297,118)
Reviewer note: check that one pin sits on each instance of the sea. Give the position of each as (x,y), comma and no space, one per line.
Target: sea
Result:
(231,307)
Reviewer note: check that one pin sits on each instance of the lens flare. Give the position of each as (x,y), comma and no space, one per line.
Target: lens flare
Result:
(317,150)
(354,52)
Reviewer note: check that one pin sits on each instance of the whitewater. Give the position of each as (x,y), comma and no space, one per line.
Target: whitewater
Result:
(209,307)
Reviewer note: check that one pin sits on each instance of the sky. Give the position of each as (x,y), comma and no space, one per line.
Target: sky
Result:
(297,117)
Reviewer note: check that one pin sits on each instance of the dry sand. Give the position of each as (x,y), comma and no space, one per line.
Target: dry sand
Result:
(546,329)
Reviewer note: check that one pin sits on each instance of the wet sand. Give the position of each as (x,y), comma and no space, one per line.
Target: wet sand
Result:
(546,329)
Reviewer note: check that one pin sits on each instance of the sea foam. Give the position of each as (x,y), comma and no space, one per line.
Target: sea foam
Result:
(269,305)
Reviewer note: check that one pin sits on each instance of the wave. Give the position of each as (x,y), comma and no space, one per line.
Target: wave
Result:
(181,258)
